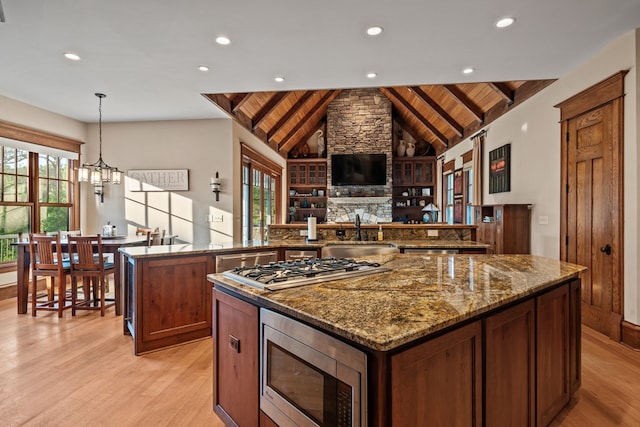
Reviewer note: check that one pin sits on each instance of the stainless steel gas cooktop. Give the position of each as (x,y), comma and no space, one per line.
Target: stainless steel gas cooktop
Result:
(289,274)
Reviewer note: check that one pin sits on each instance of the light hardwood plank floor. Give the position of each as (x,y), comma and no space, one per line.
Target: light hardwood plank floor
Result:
(81,371)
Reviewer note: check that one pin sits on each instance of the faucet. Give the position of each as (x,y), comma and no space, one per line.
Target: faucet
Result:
(358,236)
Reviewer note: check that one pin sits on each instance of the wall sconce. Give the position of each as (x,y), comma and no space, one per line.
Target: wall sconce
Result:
(215,186)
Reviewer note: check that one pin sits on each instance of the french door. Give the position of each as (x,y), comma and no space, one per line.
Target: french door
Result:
(260,196)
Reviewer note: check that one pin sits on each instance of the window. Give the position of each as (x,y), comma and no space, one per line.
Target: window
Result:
(37,191)
(468,196)
(15,209)
(54,193)
(260,195)
(449,198)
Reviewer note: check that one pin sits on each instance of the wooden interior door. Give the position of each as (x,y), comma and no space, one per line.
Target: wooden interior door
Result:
(592,202)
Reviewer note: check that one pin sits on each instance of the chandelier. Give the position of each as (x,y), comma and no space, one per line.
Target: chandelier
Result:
(99,172)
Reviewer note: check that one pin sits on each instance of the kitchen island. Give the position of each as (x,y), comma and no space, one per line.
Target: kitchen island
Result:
(166,296)
(466,339)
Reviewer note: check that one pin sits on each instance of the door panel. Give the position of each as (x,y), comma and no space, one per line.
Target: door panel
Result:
(590,175)
(592,204)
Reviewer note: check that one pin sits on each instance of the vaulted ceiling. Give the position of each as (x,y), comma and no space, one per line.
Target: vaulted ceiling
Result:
(440,115)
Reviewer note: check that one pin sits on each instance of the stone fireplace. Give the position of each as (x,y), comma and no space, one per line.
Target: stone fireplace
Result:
(359,121)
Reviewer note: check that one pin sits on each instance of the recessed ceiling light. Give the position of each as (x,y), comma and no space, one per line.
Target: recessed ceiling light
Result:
(279,79)
(375,30)
(505,22)
(203,68)
(372,75)
(72,56)
(223,40)
(468,70)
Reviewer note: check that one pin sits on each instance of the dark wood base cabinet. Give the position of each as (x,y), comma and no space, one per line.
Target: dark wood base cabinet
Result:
(167,301)
(439,381)
(514,366)
(510,366)
(236,372)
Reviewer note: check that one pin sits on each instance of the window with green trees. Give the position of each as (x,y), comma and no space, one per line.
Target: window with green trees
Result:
(35,196)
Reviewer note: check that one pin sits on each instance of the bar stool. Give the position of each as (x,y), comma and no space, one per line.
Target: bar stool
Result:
(47,261)
(88,261)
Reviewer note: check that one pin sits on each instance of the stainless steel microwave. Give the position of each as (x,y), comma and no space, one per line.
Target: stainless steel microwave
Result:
(309,378)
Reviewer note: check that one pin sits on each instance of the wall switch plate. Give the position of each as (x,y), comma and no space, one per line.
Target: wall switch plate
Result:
(432,233)
(543,220)
(340,233)
(304,233)
(216,218)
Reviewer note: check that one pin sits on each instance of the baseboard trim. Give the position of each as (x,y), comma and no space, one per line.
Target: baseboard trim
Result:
(8,291)
(631,335)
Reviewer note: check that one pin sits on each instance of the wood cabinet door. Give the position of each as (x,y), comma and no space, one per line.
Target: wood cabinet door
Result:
(177,300)
(439,382)
(236,349)
(510,367)
(423,172)
(552,353)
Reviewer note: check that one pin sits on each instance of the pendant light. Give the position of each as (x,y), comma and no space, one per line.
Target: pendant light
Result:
(99,172)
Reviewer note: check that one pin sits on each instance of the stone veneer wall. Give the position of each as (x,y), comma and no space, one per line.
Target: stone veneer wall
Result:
(359,121)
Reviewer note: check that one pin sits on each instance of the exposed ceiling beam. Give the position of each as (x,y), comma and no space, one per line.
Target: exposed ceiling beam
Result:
(424,97)
(464,100)
(524,92)
(268,108)
(221,101)
(239,99)
(395,97)
(320,107)
(225,103)
(287,116)
(503,90)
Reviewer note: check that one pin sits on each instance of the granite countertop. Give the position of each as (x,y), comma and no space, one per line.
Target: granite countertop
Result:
(213,248)
(420,295)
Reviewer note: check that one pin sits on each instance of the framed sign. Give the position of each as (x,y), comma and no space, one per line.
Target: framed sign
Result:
(500,169)
(158,179)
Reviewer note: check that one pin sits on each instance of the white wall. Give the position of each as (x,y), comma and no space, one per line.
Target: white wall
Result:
(201,146)
(26,115)
(242,135)
(533,129)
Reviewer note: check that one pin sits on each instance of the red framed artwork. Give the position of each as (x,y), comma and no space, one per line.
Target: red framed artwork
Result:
(457,183)
(457,211)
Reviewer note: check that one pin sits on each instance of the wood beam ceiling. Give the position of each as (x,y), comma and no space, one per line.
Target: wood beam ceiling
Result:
(440,115)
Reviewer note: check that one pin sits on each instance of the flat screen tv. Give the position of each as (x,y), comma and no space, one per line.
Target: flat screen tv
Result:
(358,169)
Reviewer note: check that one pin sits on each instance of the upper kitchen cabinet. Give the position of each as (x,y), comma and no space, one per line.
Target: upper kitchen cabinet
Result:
(417,171)
(413,186)
(307,179)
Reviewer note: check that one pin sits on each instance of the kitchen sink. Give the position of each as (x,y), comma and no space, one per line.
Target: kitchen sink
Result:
(350,250)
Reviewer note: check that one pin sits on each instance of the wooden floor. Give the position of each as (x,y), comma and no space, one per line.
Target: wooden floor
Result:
(81,371)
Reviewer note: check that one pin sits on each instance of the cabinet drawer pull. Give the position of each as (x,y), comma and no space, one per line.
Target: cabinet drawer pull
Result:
(234,343)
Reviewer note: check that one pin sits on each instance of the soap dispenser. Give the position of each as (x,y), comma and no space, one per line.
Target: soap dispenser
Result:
(380,235)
